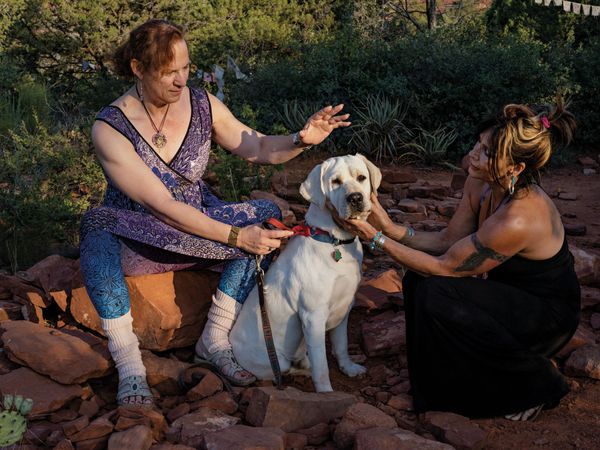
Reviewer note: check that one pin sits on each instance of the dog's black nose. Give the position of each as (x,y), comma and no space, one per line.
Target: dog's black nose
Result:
(356,198)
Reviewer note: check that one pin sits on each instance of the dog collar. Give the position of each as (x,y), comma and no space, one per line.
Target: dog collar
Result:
(317,234)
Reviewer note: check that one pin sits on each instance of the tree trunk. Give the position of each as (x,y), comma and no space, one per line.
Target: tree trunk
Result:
(431,16)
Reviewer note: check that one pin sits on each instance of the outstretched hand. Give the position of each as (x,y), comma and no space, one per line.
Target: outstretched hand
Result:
(320,125)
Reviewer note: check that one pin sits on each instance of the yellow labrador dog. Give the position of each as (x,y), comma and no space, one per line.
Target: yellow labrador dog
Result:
(310,287)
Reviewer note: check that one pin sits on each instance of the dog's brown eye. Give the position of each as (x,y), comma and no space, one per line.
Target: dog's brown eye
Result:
(361,178)
(337,181)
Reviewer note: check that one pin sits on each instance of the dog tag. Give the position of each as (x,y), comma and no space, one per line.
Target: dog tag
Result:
(337,255)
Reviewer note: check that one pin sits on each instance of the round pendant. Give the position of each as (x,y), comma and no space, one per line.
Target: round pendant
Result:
(159,140)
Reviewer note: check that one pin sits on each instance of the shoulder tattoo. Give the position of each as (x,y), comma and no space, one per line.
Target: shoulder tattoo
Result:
(480,254)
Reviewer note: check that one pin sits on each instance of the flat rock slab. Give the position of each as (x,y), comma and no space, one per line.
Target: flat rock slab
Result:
(191,428)
(47,395)
(395,439)
(360,416)
(65,358)
(384,335)
(242,437)
(584,362)
(169,309)
(291,409)
(456,430)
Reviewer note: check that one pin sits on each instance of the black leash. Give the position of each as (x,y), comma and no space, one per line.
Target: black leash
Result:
(266,325)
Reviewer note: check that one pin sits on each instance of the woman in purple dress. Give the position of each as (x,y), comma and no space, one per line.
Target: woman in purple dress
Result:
(153,144)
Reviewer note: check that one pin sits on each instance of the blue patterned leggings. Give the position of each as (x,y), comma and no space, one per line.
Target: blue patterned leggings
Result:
(102,265)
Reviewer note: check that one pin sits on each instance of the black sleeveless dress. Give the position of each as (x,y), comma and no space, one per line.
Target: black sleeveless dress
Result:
(482,348)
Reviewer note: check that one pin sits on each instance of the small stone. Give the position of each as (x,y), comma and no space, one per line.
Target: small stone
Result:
(575,229)
(136,438)
(571,196)
(358,417)
(179,411)
(584,362)
(402,402)
(595,321)
(317,434)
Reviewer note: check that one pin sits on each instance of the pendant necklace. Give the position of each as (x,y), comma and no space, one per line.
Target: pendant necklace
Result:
(159,139)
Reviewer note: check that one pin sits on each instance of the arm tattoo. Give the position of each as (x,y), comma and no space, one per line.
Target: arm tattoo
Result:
(477,258)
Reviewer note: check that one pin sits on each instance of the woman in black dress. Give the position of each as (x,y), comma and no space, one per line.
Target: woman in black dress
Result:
(490,299)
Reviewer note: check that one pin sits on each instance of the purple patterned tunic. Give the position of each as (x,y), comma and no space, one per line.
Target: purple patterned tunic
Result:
(145,236)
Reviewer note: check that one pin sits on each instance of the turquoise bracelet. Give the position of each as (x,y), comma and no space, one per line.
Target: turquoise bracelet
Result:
(377,241)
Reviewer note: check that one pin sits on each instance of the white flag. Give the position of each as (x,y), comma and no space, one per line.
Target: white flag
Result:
(595,10)
(586,9)
(558,2)
(577,8)
(566,6)
(547,2)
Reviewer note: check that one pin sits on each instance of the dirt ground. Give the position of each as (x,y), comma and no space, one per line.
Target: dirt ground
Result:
(575,423)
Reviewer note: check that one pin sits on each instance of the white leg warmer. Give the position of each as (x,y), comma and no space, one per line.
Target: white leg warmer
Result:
(124,346)
(221,316)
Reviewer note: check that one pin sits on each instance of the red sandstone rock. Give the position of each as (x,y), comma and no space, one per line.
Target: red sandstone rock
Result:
(395,439)
(358,417)
(136,438)
(23,341)
(54,273)
(396,176)
(242,437)
(191,428)
(456,430)
(584,362)
(97,429)
(208,385)
(163,373)
(47,395)
(221,401)
(168,309)
(317,434)
(291,409)
(587,265)
(384,335)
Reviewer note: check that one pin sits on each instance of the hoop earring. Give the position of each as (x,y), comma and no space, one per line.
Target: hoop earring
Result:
(511,187)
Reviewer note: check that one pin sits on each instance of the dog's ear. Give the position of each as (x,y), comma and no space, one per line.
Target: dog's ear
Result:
(374,173)
(313,188)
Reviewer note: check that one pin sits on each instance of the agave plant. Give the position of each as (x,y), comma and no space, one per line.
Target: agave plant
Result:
(430,148)
(379,130)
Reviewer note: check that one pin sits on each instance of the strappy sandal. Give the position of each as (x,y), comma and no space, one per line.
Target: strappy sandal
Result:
(134,386)
(528,415)
(224,361)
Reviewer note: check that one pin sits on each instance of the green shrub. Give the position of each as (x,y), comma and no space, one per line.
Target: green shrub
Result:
(47,180)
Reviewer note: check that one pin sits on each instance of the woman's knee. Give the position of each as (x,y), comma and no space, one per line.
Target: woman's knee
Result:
(267,209)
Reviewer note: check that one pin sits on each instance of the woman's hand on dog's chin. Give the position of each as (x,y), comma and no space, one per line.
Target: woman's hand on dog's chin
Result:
(379,217)
(360,228)
(257,240)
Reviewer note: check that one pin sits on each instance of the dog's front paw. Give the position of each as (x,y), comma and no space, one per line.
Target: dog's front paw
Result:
(352,369)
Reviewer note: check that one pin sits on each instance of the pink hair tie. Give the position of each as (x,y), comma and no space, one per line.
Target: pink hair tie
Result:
(546,122)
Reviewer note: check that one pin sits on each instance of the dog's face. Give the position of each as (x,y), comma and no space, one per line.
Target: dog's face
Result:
(347,182)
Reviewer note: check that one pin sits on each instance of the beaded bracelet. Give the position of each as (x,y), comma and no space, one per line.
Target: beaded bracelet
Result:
(377,241)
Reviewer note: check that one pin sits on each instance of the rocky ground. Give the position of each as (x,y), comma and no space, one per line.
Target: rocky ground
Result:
(54,354)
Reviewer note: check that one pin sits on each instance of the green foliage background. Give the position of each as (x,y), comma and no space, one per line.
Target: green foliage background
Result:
(55,73)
